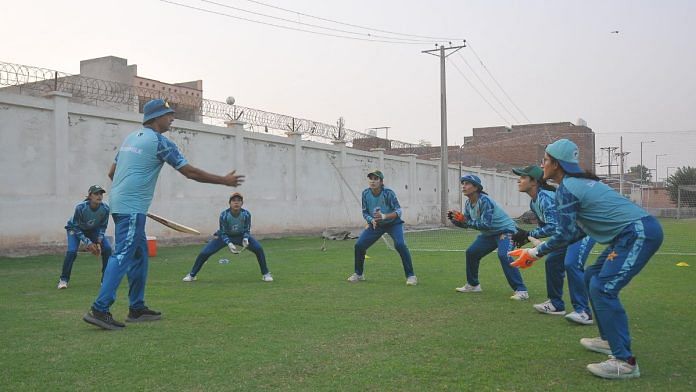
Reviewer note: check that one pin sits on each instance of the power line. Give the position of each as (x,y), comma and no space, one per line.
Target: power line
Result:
(478,92)
(498,84)
(487,88)
(353,25)
(410,40)
(287,27)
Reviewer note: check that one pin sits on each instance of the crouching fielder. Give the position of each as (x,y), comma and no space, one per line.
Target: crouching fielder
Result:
(234,231)
(382,212)
(633,236)
(570,260)
(483,214)
(88,226)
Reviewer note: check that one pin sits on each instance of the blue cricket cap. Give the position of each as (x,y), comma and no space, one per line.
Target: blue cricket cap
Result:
(472,179)
(155,108)
(566,153)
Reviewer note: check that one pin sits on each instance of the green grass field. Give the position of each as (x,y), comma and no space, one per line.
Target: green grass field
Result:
(311,330)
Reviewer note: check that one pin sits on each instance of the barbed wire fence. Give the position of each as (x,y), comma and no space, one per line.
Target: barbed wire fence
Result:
(30,80)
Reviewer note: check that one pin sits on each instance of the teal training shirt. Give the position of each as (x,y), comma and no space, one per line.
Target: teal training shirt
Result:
(138,163)
(487,216)
(544,207)
(86,219)
(593,207)
(234,226)
(386,201)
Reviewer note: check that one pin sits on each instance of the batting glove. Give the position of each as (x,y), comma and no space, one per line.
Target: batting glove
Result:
(245,242)
(233,248)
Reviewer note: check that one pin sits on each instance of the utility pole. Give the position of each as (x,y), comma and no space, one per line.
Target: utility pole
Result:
(610,151)
(444,161)
(621,155)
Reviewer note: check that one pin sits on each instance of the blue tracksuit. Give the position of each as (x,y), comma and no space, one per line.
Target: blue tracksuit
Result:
(86,226)
(632,235)
(386,202)
(571,259)
(233,229)
(496,228)
(138,163)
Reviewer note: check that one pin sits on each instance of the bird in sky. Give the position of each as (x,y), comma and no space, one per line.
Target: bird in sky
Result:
(614,32)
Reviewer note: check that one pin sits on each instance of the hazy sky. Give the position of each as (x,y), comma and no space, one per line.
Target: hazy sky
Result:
(558,60)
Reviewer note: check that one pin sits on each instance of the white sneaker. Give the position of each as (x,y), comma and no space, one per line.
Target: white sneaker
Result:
(580,318)
(520,296)
(548,308)
(614,368)
(355,278)
(411,280)
(467,288)
(597,344)
(189,278)
(62,285)
(267,277)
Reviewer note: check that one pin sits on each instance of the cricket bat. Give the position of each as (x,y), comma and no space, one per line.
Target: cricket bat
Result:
(172,224)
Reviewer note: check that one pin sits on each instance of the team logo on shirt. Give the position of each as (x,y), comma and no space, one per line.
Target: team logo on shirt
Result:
(612,255)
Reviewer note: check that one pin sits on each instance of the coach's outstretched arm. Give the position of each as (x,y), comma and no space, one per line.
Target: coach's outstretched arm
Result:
(200,175)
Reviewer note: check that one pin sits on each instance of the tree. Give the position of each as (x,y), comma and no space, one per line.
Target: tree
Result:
(685,175)
(636,172)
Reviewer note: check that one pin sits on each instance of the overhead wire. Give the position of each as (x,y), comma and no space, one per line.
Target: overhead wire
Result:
(210,11)
(410,40)
(487,88)
(478,92)
(496,81)
(352,25)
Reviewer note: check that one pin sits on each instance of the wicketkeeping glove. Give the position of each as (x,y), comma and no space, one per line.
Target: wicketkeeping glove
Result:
(456,216)
(520,238)
(525,257)
(232,248)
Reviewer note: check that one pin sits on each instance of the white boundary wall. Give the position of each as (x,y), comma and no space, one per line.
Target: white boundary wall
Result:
(52,150)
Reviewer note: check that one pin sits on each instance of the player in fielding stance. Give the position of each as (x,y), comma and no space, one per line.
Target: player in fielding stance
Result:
(483,214)
(134,174)
(632,236)
(571,259)
(235,227)
(382,212)
(88,226)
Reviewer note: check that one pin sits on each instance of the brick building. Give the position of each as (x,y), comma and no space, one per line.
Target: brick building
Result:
(501,147)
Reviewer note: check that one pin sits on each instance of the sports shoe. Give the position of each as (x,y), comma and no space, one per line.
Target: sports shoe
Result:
(580,318)
(62,284)
(144,314)
(267,277)
(614,368)
(411,280)
(520,296)
(467,288)
(597,344)
(355,278)
(102,320)
(548,308)
(189,278)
